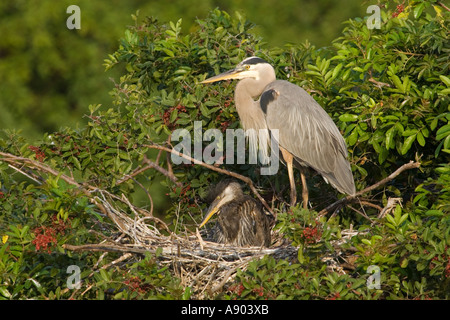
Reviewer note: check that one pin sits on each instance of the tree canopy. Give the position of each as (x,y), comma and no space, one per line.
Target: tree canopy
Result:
(70,197)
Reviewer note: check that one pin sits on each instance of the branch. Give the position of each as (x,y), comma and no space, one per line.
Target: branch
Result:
(105,248)
(151,165)
(220,170)
(339,203)
(10,158)
(443,5)
(86,189)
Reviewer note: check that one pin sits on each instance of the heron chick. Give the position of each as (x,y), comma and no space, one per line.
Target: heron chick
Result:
(307,135)
(241,220)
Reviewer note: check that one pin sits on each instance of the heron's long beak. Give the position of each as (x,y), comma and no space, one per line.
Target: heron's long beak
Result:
(213,208)
(230,74)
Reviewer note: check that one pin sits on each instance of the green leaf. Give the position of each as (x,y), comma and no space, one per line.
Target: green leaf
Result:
(408,132)
(204,110)
(398,83)
(300,257)
(4,292)
(173,116)
(402,219)
(434,213)
(420,138)
(348,117)
(391,219)
(445,80)
(443,132)
(407,143)
(346,75)
(390,137)
(352,138)
(336,70)
(76,163)
(373,121)
(382,156)
(404,263)
(418,10)
(104,275)
(445,92)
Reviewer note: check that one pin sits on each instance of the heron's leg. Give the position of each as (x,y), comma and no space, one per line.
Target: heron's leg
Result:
(305,194)
(289,163)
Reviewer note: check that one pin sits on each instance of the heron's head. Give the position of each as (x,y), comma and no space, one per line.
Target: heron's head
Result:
(252,67)
(222,194)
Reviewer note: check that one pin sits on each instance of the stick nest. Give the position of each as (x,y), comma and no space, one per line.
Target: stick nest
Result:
(204,266)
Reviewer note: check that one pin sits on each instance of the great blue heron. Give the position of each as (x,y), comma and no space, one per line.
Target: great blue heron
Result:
(307,135)
(241,220)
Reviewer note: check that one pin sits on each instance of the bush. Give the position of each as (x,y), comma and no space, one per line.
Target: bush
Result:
(386,89)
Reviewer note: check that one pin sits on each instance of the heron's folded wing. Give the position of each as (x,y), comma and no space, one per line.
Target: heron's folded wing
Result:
(308,132)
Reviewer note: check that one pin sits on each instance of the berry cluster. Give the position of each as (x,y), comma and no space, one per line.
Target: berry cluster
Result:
(399,10)
(40,155)
(45,236)
(311,235)
(237,288)
(135,284)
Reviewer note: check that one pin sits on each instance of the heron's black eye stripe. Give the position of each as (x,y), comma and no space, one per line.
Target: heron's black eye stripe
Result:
(254,60)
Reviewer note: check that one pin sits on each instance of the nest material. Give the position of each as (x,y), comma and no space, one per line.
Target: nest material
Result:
(204,266)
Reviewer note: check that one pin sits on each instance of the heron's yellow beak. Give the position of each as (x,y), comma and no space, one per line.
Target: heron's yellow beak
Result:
(213,208)
(230,74)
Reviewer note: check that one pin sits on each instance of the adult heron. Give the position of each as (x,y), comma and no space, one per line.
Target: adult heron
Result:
(241,220)
(307,136)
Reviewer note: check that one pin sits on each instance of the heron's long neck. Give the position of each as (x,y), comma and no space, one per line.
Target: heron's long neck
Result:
(252,117)
(250,113)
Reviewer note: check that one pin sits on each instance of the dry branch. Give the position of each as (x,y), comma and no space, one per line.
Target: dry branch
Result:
(151,165)
(392,176)
(12,159)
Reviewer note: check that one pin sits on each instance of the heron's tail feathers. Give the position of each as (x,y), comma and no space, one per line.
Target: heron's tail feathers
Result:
(342,177)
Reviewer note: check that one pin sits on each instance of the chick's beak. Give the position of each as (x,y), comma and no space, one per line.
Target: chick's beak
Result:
(213,209)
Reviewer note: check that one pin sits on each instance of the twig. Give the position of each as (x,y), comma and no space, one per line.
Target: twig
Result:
(150,214)
(199,237)
(106,248)
(227,276)
(370,204)
(362,214)
(443,5)
(25,174)
(339,203)
(10,158)
(151,165)
(391,203)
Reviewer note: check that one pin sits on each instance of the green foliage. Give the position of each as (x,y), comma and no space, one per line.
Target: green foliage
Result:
(386,89)
(50,74)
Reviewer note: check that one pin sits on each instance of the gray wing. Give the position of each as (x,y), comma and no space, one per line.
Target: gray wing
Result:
(308,132)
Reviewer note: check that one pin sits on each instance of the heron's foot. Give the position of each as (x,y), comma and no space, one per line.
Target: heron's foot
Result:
(293,201)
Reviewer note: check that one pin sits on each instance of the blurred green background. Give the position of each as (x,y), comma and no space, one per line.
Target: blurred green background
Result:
(50,74)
